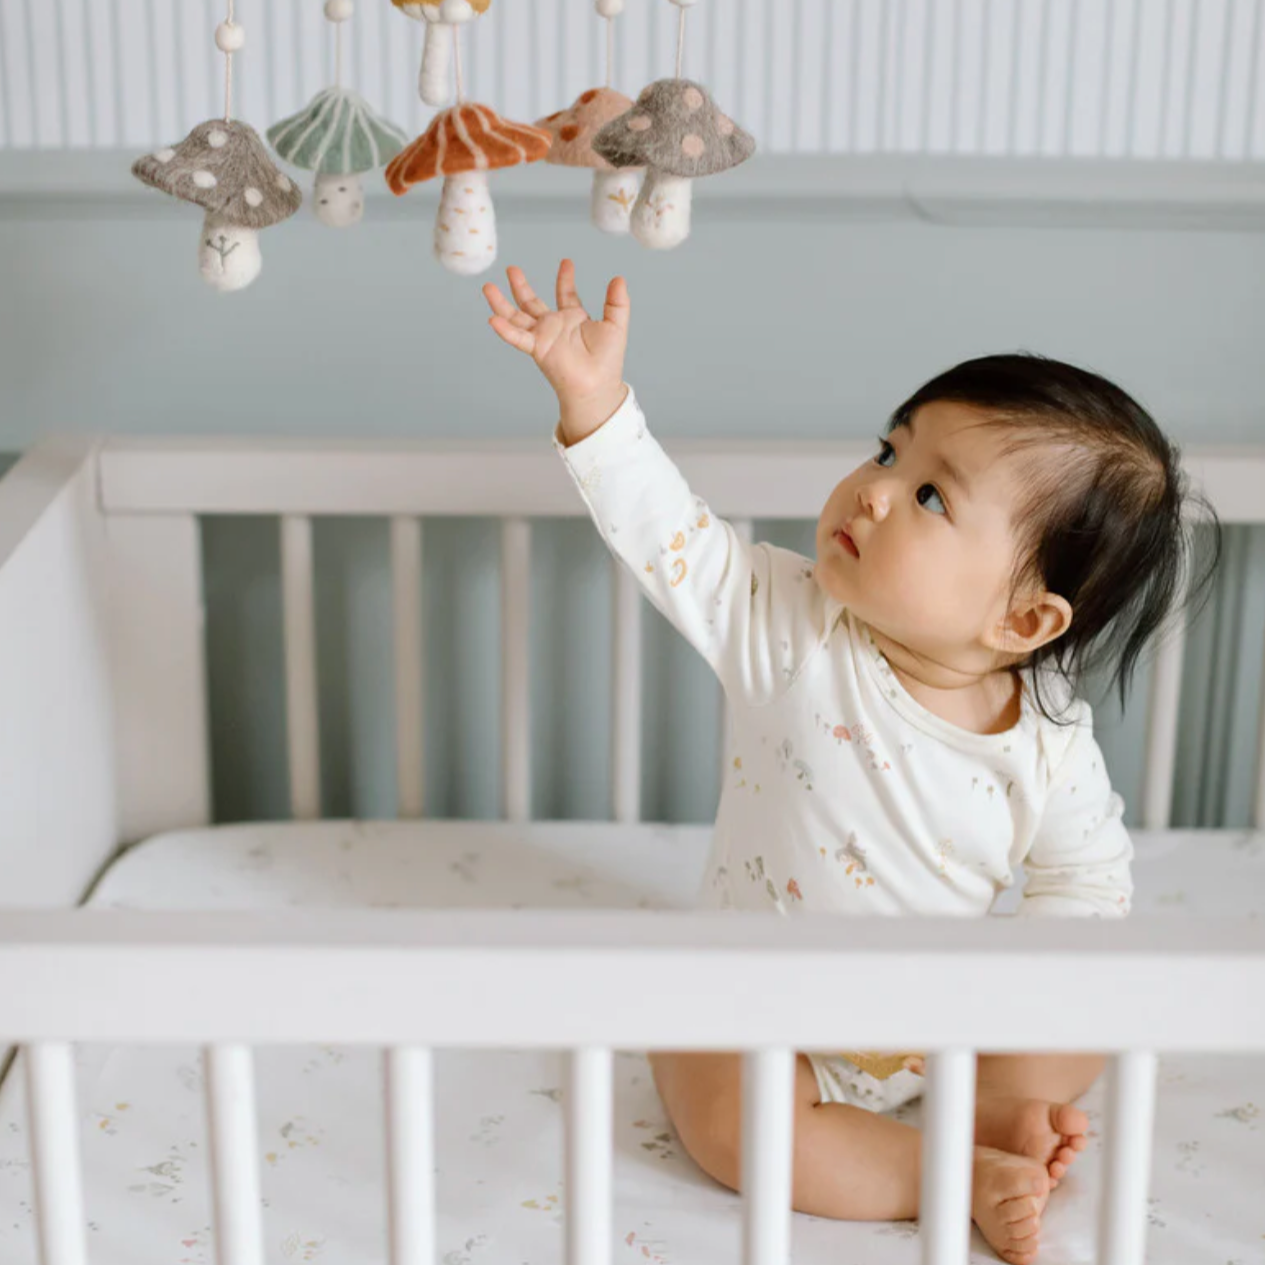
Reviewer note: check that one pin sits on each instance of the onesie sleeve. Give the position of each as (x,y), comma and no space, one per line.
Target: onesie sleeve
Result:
(1079,861)
(754,612)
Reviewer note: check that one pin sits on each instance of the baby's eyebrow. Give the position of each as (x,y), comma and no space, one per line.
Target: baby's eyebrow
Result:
(951,472)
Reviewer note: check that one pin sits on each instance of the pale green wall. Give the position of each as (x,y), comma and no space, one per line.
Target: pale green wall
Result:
(799,328)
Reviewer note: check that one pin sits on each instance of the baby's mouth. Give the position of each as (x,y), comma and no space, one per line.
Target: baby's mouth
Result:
(847,543)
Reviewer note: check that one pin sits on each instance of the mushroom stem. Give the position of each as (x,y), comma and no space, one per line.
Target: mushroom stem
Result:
(339,201)
(465,228)
(614,193)
(433,83)
(228,254)
(661,216)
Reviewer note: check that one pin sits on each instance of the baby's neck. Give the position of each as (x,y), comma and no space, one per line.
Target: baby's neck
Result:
(986,702)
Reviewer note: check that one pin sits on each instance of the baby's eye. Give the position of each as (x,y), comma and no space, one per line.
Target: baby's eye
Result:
(929,499)
(886,454)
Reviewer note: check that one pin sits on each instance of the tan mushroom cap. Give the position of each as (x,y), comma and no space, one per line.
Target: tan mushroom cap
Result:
(469,137)
(223,167)
(677,128)
(574,129)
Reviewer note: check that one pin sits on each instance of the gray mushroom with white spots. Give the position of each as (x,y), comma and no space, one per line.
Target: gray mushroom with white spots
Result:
(223,167)
(676,131)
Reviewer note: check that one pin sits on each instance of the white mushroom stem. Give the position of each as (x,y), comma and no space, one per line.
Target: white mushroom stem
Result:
(339,201)
(465,228)
(614,193)
(434,83)
(228,255)
(661,216)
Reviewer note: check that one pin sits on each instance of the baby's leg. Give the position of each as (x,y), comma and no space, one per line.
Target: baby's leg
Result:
(1024,1105)
(849,1163)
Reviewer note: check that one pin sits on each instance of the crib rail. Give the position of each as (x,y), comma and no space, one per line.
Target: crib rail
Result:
(516,482)
(472,980)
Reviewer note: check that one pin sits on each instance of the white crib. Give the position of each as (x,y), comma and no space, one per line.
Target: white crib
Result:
(103,742)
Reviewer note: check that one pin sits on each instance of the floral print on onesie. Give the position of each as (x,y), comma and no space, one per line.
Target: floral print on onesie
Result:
(843,794)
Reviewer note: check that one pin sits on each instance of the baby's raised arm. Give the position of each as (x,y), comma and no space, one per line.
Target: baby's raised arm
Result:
(749,610)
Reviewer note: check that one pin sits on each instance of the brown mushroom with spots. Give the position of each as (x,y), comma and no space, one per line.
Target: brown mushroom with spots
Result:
(462,145)
(677,132)
(434,83)
(573,130)
(223,167)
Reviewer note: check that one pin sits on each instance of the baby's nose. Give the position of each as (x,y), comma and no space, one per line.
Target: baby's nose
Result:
(874,500)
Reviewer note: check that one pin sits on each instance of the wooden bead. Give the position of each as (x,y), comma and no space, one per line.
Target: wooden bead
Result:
(230,37)
(609,8)
(339,10)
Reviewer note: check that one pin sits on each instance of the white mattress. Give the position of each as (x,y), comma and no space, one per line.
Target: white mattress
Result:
(499,1143)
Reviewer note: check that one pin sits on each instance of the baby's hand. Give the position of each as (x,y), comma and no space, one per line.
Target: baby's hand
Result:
(583,359)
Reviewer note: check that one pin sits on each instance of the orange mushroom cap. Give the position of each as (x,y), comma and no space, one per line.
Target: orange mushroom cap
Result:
(479,6)
(468,137)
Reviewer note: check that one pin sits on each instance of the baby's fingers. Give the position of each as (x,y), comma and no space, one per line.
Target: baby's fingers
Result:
(498,302)
(511,334)
(524,294)
(618,306)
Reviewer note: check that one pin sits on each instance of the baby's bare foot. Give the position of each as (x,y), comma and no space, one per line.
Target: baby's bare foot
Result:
(1008,1196)
(1051,1132)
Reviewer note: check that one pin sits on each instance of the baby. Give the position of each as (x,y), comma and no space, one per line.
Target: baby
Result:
(904,729)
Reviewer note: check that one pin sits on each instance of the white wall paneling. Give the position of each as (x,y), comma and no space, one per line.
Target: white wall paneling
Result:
(1087,78)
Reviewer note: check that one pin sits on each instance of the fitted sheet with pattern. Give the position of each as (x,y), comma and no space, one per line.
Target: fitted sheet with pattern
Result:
(499,1118)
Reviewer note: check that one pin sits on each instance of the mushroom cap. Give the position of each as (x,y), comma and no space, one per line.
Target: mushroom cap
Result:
(676,127)
(337,134)
(224,168)
(413,8)
(468,137)
(573,129)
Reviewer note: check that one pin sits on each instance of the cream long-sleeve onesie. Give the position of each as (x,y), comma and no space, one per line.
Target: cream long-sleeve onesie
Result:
(841,792)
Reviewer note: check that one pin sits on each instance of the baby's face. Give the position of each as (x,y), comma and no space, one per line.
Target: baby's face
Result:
(919,542)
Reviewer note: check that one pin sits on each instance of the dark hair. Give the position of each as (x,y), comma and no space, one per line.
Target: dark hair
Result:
(1103,525)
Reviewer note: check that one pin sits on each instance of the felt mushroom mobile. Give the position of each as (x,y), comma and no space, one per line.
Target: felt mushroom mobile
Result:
(573,131)
(463,144)
(339,136)
(223,167)
(441,17)
(676,132)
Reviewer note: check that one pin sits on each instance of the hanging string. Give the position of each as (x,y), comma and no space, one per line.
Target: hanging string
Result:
(338,54)
(680,42)
(456,64)
(228,72)
(610,52)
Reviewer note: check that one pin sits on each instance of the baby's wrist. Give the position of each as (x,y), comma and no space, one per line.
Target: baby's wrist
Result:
(580,415)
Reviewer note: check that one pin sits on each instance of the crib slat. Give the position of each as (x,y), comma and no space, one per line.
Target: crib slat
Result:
(1258,808)
(54,1123)
(1128,1123)
(589,1158)
(745,529)
(515,685)
(768,1097)
(410,1156)
(947,1151)
(1161,732)
(406,591)
(230,1085)
(302,721)
(626,738)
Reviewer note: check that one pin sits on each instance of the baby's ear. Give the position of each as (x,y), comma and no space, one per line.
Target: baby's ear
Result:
(1033,621)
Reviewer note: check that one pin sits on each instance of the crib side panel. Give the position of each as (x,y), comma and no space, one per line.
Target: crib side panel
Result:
(156,627)
(57,788)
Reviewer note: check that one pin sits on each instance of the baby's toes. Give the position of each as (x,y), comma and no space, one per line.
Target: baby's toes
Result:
(1068,1120)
